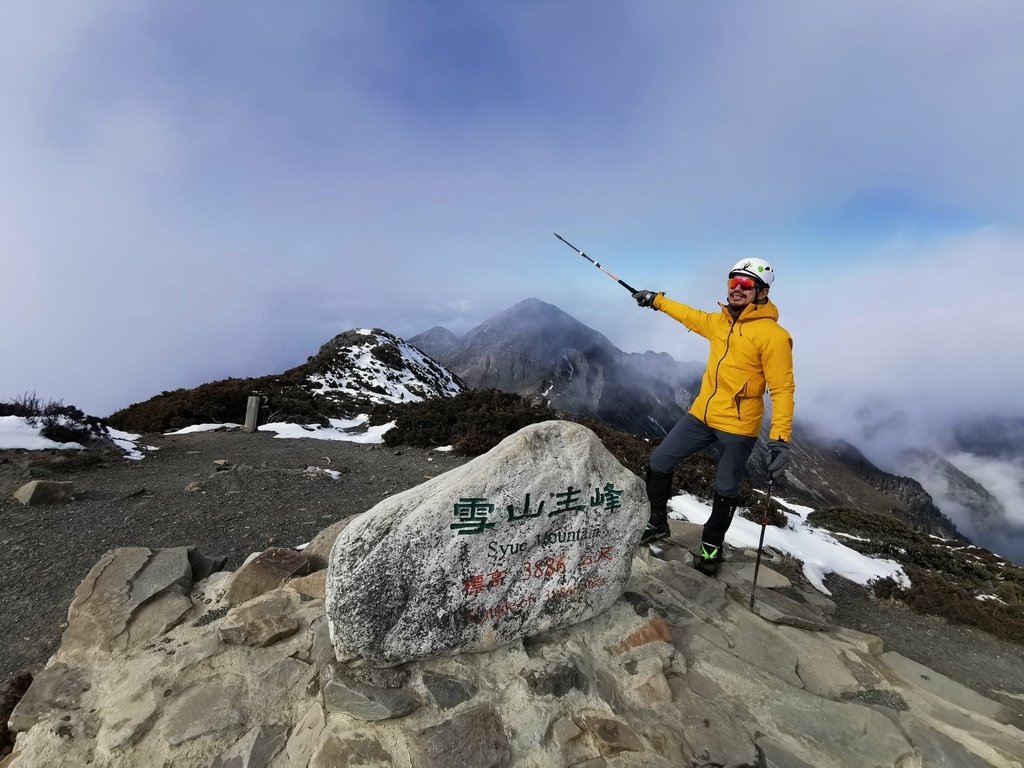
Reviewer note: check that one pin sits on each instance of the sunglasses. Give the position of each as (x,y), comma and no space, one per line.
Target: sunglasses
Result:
(746,283)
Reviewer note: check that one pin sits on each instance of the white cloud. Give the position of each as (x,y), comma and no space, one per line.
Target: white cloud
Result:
(912,338)
(185,201)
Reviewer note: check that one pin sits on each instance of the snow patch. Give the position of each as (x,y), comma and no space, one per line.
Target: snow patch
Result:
(25,433)
(819,550)
(204,428)
(350,430)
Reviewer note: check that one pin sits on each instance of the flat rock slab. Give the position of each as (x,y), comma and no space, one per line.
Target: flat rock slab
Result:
(129,597)
(742,575)
(927,679)
(474,738)
(265,572)
(255,749)
(215,706)
(779,609)
(350,751)
(55,690)
(342,693)
(536,534)
(44,492)
(448,691)
(262,621)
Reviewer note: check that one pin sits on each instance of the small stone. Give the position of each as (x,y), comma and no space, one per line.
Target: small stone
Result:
(57,688)
(260,622)
(472,738)
(447,691)
(552,679)
(194,486)
(314,585)
(351,751)
(265,572)
(612,736)
(209,707)
(341,693)
(656,689)
(563,730)
(44,492)
(255,749)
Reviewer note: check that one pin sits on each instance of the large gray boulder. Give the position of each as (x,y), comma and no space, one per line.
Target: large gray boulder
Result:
(538,533)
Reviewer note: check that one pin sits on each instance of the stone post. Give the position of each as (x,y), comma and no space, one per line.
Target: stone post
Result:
(252,411)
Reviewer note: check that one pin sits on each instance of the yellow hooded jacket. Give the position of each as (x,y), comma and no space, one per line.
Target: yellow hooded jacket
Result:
(747,354)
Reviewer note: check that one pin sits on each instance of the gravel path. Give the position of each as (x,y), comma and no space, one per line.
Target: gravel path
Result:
(266,499)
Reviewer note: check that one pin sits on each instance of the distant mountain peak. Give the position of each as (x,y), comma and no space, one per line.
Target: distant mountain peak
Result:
(536,349)
(377,365)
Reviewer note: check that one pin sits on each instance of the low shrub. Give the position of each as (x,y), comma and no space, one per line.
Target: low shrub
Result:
(947,578)
(57,421)
(26,406)
(760,512)
(932,593)
(472,422)
(285,397)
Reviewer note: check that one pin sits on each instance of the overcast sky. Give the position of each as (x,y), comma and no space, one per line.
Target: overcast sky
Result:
(192,191)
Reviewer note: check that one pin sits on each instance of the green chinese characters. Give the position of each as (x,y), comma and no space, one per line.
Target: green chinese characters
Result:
(474,515)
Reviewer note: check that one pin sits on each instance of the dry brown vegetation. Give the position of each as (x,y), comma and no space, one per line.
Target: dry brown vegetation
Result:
(60,423)
(283,397)
(947,577)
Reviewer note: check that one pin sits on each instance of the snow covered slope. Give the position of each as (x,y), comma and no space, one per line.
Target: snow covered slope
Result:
(381,367)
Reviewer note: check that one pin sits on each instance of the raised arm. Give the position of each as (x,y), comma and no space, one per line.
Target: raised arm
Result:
(777,361)
(694,319)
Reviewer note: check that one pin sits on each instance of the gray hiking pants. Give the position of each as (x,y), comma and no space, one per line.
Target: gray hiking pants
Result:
(690,435)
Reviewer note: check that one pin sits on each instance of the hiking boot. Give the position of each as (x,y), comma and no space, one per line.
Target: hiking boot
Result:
(659,488)
(654,532)
(709,560)
(722,510)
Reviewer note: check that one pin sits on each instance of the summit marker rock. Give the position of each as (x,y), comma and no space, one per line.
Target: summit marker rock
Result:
(536,534)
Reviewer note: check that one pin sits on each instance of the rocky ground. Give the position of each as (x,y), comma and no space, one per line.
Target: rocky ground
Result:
(263,498)
(266,497)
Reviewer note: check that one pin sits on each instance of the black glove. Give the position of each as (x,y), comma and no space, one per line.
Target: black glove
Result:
(646,298)
(777,458)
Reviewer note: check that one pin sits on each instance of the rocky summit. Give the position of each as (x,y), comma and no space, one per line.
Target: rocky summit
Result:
(168,661)
(533,535)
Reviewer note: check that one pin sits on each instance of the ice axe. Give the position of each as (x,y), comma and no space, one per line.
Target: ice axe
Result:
(616,278)
(760,544)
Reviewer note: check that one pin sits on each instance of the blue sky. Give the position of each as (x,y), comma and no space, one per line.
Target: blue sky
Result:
(193,191)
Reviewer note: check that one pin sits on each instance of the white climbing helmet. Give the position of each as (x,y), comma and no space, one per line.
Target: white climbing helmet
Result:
(759,269)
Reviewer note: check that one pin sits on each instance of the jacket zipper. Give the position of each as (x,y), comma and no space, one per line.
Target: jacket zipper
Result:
(718,367)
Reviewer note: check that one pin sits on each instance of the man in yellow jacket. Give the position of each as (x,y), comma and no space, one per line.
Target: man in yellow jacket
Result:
(750,352)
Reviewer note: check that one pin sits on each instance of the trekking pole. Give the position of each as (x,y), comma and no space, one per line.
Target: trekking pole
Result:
(760,544)
(616,278)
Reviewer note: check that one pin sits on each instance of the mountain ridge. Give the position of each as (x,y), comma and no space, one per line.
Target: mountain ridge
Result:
(537,350)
